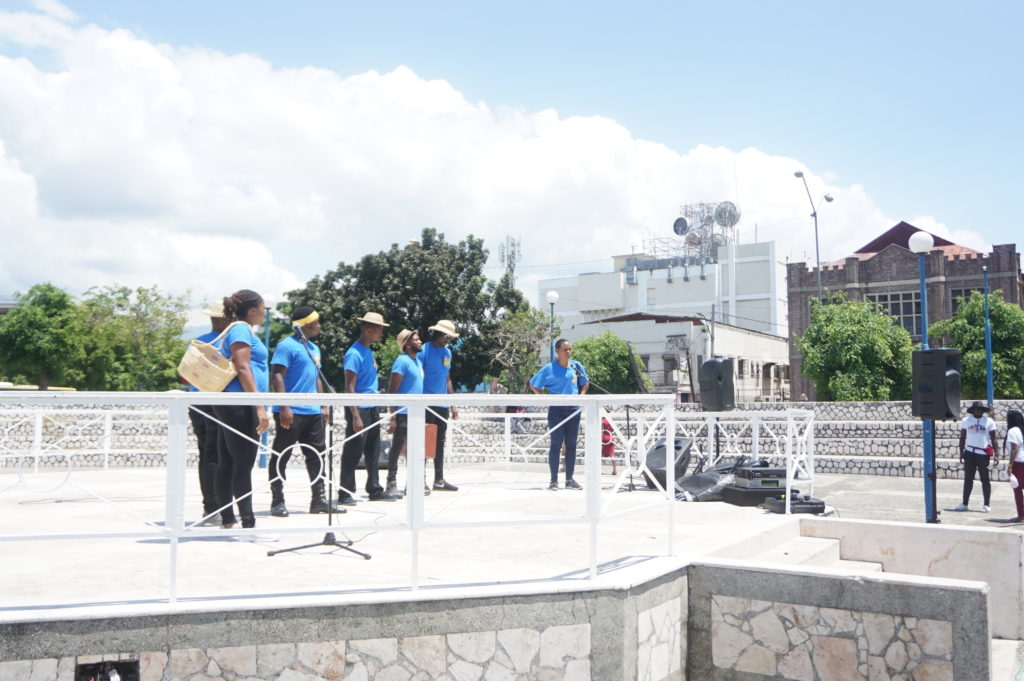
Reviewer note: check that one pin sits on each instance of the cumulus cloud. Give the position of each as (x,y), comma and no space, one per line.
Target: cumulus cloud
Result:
(138,163)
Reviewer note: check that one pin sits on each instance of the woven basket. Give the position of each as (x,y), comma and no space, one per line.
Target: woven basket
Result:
(204,367)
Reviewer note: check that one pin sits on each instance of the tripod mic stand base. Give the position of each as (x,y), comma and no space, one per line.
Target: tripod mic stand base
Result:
(328,540)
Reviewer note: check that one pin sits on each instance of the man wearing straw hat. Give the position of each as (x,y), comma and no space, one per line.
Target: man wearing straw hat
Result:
(203,425)
(406,378)
(437,365)
(362,427)
(295,368)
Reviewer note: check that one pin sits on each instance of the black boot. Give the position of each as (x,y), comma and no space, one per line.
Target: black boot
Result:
(277,507)
(318,502)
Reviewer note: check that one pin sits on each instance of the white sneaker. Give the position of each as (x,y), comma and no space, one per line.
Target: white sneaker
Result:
(961,507)
(985,509)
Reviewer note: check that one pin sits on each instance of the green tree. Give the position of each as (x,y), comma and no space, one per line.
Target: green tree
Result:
(519,340)
(42,337)
(414,286)
(606,359)
(855,352)
(966,331)
(133,338)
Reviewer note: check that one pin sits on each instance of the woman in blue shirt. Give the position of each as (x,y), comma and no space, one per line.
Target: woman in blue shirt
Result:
(563,376)
(237,450)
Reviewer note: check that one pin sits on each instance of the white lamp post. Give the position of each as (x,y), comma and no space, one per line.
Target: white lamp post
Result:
(552,297)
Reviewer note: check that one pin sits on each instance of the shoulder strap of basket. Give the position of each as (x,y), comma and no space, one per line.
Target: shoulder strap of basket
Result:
(223,333)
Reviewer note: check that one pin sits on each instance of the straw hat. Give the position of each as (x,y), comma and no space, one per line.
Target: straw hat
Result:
(215,310)
(373,318)
(446,327)
(403,337)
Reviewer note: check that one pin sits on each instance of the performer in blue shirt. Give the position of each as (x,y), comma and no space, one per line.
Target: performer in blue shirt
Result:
(563,376)
(437,366)
(361,377)
(203,425)
(406,378)
(295,369)
(237,447)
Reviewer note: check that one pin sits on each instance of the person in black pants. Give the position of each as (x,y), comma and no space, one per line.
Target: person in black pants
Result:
(437,364)
(295,368)
(238,441)
(362,430)
(406,378)
(979,449)
(203,425)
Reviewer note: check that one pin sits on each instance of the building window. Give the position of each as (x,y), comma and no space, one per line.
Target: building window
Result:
(957,294)
(905,307)
(670,364)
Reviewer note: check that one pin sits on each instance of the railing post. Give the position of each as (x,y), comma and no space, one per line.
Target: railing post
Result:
(508,442)
(108,427)
(414,461)
(755,438)
(174,505)
(37,440)
(592,449)
(789,457)
(670,487)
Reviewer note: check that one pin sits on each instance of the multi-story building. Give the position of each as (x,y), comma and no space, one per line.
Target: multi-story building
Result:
(885,271)
(666,307)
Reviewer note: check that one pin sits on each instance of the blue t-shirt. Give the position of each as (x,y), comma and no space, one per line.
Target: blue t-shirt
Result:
(205,338)
(301,373)
(411,371)
(437,362)
(560,380)
(243,333)
(360,360)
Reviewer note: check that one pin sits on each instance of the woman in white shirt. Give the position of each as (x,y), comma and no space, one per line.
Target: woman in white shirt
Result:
(978,451)
(1013,445)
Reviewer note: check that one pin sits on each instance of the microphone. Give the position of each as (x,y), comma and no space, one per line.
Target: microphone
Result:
(298,332)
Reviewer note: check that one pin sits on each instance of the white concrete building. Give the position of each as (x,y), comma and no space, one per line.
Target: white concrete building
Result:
(745,288)
(672,348)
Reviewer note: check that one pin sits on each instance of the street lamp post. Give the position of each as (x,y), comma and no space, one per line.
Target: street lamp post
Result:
(921,243)
(552,297)
(989,387)
(814,214)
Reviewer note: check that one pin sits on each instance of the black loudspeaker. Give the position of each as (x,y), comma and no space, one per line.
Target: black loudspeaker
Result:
(717,392)
(936,384)
(655,461)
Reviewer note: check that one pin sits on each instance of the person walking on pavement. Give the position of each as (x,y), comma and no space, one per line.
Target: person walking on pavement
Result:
(406,378)
(295,368)
(437,364)
(1013,445)
(563,376)
(203,425)
(362,430)
(978,451)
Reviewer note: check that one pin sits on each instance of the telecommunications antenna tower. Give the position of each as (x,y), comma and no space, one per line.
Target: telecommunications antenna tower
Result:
(509,253)
(704,228)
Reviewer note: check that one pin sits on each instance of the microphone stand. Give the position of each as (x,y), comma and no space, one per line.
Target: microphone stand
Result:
(329,538)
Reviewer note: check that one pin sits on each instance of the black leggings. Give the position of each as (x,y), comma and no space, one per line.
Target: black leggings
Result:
(976,462)
(236,457)
(206,437)
(306,430)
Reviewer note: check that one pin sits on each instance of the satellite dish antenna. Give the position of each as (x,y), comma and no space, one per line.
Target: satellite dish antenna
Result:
(727,214)
(680,226)
(693,239)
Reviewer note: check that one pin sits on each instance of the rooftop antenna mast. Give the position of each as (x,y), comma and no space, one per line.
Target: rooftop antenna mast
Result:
(509,254)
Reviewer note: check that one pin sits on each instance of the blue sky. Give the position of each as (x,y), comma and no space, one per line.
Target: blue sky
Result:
(903,110)
(919,101)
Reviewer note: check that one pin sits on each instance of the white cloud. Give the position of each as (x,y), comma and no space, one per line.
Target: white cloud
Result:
(140,163)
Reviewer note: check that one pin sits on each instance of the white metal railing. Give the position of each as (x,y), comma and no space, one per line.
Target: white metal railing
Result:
(791,436)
